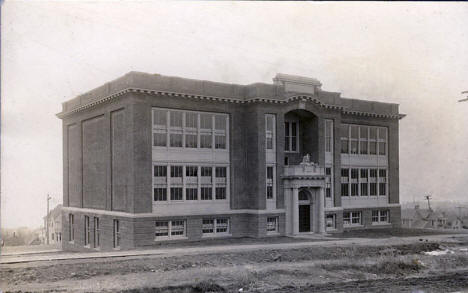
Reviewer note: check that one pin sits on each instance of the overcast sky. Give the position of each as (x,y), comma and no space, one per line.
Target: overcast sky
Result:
(414,54)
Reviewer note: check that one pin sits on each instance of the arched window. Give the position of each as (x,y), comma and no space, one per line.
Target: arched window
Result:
(303,195)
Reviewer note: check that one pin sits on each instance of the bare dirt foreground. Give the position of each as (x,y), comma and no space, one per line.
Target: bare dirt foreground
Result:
(326,268)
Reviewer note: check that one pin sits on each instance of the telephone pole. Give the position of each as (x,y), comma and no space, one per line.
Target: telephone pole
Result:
(47,219)
(428,197)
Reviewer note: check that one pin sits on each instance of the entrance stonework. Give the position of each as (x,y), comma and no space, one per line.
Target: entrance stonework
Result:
(304,198)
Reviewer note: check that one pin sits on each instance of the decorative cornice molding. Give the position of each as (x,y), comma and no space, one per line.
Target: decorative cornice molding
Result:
(304,98)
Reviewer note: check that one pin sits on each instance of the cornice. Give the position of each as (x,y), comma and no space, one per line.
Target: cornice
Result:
(293,98)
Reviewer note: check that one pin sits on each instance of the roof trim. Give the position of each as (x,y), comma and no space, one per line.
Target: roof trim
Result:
(302,97)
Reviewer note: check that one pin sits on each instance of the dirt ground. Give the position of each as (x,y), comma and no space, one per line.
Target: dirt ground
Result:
(324,268)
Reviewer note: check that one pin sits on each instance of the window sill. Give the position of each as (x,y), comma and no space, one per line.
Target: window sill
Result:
(352,226)
(381,223)
(216,235)
(167,238)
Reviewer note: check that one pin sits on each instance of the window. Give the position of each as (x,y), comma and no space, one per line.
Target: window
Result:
(116,234)
(87,232)
(191,141)
(220,172)
(208,226)
(162,229)
(175,140)
(191,171)
(191,193)
(160,193)
(205,141)
(220,193)
(220,122)
(372,141)
(175,119)
(269,131)
(373,182)
(206,171)
(160,139)
(351,219)
(169,229)
(71,227)
(189,129)
(382,141)
(354,173)
(328,136)
(97,231)
(380,216)
(344,137)
(344,182)
(373,188)
(220,142)
(354,189)
(160,171)
(382,182)
(222,225)
(176,193)
(191,120)
(206,193)
(160,118)
(330,222)
(206,121)
(363,137)
(215,226)
(354,139)
(291,138)
(364,189)
(176,171)
(272,224)
(328,182)
(177,228)
(270,182)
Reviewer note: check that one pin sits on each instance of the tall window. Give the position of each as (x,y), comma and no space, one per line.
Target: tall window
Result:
(270,182)
(71,227)
(373,182)
(354,182)
(220,131)
(328,135)
(382,182)
(344,182)
(160,193)
(270,127)
(291,136)
(354,139)
(328,182)
(116,234)
(176,193)
(97,232)
(87,232)
(364,182)
(160,128)
(344,137)
(382,141)
(372,141)
(191,193)
(206,193)
(363,138)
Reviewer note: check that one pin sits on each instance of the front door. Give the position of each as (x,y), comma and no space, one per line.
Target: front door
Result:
(304,218)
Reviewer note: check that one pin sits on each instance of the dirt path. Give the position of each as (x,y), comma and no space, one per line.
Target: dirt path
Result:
(322,267)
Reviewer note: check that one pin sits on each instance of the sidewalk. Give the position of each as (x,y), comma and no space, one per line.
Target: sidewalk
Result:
(11,259)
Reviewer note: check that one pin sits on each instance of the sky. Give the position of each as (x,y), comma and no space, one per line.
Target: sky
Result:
(413,54)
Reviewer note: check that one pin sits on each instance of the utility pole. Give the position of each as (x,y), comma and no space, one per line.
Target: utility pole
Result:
(428,197)
(47,219)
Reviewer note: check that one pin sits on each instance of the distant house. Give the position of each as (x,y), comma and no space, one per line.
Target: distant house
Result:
(457,222)
(423,219)
(55,225)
